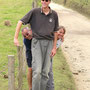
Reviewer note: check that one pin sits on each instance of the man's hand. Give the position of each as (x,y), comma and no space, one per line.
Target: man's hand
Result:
(53,52)
(16,42)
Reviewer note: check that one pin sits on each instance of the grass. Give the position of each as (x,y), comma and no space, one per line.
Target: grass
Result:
(82,6)
(14,10)
(63,76)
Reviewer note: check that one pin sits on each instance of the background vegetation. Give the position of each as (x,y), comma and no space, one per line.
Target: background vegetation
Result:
(82,6)
(14,10)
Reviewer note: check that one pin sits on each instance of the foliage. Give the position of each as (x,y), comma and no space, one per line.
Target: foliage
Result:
(82,6)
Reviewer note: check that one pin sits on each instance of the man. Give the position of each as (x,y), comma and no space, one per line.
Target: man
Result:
(44,24)
(27,34)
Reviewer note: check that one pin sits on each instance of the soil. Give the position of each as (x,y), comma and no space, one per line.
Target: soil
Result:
(76,46)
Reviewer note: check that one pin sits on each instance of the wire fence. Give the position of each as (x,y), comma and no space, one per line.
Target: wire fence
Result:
(18,69)
(6,73)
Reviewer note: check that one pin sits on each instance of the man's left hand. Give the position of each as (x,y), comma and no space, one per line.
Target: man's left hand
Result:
(53,52)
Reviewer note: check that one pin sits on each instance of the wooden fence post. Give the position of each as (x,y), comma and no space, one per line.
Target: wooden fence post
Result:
(11,72)
(65,1)
(20,68)
(35,3)
(24,60)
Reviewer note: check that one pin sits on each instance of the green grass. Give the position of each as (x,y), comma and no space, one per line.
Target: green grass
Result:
(14,10)
(62,75)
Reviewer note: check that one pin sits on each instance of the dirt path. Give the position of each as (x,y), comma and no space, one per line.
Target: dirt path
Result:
(76,45)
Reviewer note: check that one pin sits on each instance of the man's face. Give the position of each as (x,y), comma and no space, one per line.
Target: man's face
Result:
(60,33)
(45,3)
(27,34)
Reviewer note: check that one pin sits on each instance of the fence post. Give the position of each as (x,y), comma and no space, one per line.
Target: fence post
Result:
(65,1)
(20,67)
(11,72)
(24,60)
(35,3)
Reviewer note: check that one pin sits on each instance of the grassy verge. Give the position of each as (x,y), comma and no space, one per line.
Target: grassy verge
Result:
(82,6)
(63,76)
(13,10)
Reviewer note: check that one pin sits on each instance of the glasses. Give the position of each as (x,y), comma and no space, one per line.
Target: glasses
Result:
(45,0)
(27,34)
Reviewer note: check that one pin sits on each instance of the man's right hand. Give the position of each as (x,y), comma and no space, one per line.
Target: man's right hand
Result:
(16,42)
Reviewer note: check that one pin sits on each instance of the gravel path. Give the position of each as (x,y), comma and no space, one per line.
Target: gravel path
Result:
(76,45)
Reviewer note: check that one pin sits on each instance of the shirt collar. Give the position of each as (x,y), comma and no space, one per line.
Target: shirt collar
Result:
(49,12)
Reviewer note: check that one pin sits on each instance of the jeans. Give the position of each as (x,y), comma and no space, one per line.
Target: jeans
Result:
(41,61)
(50,83)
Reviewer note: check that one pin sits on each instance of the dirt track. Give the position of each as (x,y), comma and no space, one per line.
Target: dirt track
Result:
(76,45)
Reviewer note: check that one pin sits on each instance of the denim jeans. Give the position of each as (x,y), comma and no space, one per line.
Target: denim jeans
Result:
(41,61)
(50,83)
